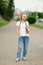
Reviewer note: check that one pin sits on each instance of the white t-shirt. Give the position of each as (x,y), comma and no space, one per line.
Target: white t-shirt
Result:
(22,26)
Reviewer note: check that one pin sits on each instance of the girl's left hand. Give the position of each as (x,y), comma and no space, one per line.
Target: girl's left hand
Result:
(27,30)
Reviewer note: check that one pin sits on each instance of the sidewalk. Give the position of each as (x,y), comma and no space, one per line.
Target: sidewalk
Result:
(8,46)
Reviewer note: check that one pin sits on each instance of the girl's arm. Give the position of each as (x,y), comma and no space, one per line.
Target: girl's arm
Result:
(18,30)
(28,28)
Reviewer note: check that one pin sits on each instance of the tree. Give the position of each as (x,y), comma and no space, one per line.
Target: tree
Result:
(40,15)
(3,7)
(33,13)
(7,9)
(10,10)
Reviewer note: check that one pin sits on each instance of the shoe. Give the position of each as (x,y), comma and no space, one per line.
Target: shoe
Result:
(24,58)
(17,59)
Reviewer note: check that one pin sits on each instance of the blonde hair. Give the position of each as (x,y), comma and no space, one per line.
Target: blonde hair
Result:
(22,15)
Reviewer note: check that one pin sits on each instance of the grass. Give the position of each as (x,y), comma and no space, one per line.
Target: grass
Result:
(37,26)
(3,22)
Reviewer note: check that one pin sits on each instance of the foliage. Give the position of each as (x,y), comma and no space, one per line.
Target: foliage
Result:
(3,7)
(40,15)
(3,22)
(31,19)
(7,9)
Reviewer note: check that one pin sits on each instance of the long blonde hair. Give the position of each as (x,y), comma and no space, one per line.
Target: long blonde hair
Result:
(21,16)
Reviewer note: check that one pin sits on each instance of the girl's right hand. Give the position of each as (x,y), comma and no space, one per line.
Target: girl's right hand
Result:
(18,34)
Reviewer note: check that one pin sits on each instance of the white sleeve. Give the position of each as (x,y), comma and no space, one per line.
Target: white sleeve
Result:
(17,24)
(27,23)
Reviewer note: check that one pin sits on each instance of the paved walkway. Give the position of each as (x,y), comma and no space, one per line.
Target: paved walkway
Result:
(8,46)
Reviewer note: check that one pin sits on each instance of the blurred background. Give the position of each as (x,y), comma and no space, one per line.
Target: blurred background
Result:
(11,9)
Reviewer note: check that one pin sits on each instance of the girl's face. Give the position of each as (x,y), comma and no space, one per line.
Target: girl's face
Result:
(24,17)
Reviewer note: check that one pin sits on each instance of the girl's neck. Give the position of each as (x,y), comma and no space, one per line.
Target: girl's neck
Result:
(23,21)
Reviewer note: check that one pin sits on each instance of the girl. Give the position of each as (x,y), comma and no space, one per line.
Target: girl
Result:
(23,32)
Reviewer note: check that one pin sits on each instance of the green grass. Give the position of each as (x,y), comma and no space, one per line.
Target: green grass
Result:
(3,22)
(37,26)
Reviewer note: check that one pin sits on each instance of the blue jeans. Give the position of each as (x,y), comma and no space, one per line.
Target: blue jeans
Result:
(23,40)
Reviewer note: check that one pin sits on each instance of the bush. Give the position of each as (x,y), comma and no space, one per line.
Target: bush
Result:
(31,19)
(40,15)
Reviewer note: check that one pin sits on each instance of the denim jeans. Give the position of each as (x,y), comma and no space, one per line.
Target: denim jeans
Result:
(23,40)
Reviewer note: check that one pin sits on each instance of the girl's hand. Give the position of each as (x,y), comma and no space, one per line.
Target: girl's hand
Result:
(18,34)
(18,31)
(27,30)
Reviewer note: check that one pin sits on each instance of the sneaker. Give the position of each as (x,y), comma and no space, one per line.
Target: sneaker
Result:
(17,59)
(24,58)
